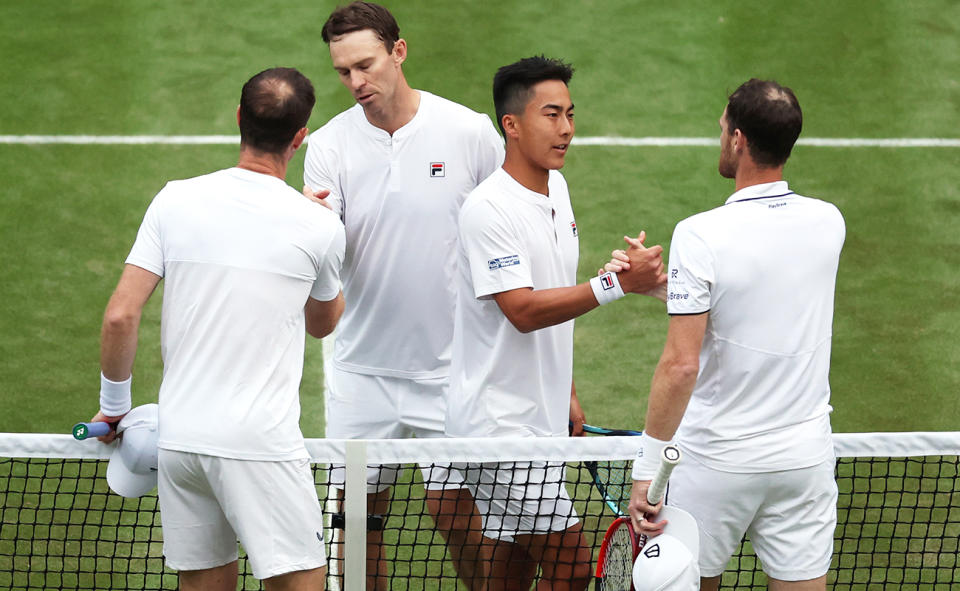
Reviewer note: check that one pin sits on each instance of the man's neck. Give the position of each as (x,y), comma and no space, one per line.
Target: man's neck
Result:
(263,163)
(751,174)
(400,112)
(526,173)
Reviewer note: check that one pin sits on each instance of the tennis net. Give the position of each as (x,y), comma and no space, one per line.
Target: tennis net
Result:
(61,528)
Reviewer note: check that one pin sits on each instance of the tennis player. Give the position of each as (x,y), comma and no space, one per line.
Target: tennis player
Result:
(743,380)
(248,265)
(396,168)
(512,372)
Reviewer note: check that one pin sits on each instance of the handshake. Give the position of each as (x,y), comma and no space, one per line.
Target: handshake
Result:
(639,269)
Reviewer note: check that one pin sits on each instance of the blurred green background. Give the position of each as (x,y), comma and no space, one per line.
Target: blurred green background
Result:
(860,69)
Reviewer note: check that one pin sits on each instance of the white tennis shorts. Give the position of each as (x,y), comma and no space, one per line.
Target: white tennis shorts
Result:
(208,503)
(361,406)
(518,498)
(790,516)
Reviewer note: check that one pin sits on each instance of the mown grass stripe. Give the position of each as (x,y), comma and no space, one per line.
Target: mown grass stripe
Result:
(579,141)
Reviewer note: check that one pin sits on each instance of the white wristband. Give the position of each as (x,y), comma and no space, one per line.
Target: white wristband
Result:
(606,288)
(114,396)
(647,462)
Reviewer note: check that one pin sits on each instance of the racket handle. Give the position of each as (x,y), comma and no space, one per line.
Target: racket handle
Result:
(82,431)
(669,457)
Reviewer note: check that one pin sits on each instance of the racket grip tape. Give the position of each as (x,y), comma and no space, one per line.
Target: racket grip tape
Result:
(82,431)
(669,458)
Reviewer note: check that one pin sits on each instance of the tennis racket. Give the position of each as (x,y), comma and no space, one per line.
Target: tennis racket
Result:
(612,477)
(82,431)
(619,549)
(621,544)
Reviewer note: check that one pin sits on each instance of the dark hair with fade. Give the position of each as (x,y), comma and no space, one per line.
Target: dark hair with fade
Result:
(513,84)
(770,116)
(274,105)
(359,16)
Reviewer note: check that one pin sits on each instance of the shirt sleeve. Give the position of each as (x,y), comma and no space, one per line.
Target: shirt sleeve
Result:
(327,285)
(147,251)
(497,258)
(691,273)
(490,150)
(320,168)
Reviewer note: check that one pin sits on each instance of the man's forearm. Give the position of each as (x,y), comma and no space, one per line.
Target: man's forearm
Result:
(673,383)
(118,344)
(530,310)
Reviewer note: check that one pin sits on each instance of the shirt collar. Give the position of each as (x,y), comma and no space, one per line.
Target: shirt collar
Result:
(761,191)
(524,194)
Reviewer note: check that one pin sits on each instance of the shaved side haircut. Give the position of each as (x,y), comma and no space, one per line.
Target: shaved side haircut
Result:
(513,84)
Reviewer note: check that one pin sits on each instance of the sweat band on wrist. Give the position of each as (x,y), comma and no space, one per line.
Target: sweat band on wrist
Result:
(648,457)
(114,396)
(606,288)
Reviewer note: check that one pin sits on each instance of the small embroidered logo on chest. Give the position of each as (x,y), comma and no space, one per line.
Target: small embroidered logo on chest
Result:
(437,170)
(573,227)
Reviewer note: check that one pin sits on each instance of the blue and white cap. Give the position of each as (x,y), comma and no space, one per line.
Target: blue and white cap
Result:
(132,471)
(668,562)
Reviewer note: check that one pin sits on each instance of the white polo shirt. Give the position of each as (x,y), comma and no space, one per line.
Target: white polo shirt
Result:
(764,266)
(239,252)
(503,382)
(399,197)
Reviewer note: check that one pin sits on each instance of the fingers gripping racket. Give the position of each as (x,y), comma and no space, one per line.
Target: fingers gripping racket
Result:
(621,544)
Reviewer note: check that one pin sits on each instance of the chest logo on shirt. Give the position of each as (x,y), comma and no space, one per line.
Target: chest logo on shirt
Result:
(437,170)
(508,261)
(573,226)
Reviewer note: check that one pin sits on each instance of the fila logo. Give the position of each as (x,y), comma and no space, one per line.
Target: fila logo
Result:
(606,281)
(573,226)
(436,170)
(652,551)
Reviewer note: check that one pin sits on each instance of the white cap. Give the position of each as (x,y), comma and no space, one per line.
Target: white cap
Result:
(132,471)
(668,562)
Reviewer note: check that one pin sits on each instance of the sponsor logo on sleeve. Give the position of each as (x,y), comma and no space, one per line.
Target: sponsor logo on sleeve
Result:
(507,261)
(675,278)
(437,170)
(678,296)
(573,226)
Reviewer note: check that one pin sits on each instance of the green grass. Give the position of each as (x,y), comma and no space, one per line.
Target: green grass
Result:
(877,70)
(860,69)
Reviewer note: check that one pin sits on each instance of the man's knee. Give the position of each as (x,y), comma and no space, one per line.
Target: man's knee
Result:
(302,580)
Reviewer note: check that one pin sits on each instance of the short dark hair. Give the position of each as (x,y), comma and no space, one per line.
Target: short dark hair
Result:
(274,105)
(512,84)
(770,116)
(358,16)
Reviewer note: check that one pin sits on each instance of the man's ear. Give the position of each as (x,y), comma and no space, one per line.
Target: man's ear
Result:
(298,139)
(739,141)
(400,51)
(510,123)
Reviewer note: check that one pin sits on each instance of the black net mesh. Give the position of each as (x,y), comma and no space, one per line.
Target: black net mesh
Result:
(898,528)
